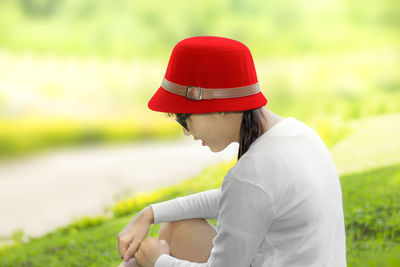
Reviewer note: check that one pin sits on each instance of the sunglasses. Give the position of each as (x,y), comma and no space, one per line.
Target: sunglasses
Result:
(181,119)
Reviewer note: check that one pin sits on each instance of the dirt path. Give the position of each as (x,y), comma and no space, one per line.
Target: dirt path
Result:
(41,193)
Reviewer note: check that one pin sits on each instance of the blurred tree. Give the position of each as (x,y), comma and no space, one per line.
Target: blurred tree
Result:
(150,28)
(40,8)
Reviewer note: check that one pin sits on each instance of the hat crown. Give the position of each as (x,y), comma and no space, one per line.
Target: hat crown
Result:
(211,62)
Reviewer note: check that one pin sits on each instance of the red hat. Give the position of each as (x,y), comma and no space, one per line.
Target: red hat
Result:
(208,74)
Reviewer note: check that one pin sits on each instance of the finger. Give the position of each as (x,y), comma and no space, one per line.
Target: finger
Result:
(131,249)
(122,247)
(123,244)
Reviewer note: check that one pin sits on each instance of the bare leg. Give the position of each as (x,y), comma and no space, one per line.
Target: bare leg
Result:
(189,239)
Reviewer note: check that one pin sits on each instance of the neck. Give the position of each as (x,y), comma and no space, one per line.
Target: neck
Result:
(268,119)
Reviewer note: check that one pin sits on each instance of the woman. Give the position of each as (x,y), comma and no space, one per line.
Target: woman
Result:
(279,205)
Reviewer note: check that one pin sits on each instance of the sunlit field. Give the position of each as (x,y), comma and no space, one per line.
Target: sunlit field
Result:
(77,101)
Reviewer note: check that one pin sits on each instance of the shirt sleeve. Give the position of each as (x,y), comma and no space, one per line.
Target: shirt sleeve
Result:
(199,205)
(245,214)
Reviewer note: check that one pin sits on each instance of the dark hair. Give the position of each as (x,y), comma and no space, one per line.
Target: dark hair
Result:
(250,129)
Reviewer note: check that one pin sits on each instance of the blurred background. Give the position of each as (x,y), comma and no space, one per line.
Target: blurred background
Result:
(74,72)
(76,76)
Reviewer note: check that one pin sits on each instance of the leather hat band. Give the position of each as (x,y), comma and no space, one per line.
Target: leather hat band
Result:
(199,93)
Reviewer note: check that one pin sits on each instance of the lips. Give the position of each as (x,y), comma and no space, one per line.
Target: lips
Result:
(202,141)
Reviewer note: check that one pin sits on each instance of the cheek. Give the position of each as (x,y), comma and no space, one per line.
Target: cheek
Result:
(199,128)
(215,137)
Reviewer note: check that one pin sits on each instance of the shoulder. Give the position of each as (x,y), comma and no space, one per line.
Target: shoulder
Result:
(257,166)
(238,192)
(266,166)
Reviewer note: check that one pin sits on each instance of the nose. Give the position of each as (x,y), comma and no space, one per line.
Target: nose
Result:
(185,132)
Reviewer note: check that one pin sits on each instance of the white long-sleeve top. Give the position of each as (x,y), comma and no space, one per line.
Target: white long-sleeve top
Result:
(279,205)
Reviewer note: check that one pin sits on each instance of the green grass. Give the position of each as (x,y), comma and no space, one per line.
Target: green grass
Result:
(371,208)
(372,212)
(94,246)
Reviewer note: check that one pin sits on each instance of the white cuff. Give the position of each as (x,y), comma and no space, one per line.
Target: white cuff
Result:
(161,211)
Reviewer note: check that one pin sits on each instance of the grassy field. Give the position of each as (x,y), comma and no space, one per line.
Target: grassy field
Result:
(74,101)
(371,207)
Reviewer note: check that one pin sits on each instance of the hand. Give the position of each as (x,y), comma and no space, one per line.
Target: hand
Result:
(150,250)
(132,235)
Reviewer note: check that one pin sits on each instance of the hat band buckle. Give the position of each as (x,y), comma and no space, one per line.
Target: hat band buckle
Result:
(188,91)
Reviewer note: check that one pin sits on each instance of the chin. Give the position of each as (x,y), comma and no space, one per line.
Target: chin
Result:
(217,149)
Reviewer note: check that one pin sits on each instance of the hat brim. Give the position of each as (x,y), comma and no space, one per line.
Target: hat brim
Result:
(164,101)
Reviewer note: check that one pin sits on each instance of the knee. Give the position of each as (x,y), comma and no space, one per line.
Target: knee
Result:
(190,239)
(170,230)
